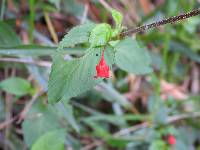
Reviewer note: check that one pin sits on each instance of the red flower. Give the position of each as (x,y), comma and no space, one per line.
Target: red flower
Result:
(102,69)
(171,139)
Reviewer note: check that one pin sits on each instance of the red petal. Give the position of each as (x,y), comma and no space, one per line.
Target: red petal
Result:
(102,69)
(171,140)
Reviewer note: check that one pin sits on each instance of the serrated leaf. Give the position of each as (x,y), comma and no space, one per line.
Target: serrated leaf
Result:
(16,86)
(39,120)
(71,78)
(100,35)
(117,16)
(52,140)
(131,57)
(77,35)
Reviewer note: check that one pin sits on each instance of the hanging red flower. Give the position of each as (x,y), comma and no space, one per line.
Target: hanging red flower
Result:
(171,140)
(102,69)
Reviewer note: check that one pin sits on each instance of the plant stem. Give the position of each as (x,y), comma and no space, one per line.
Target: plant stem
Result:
(26,61)
(31,19)
(165,56)
(3,8)
(105,4)
(172,66)
(51,27)
(162,22)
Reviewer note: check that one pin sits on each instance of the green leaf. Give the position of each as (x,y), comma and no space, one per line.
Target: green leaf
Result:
(117,16)
(131,57)
(39,120)
(36,50)
(158,110)
(183,49)
(77,35)
(52,140)
(157,145)
(116,119)
(16,86)
(99,130)
(100,35)
(73,7)
(109,54)
(72,78)
(7,36)
(55,2)
(65,110)
(118,142)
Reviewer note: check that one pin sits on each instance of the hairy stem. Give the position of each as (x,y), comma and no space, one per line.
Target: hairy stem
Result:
(162,22)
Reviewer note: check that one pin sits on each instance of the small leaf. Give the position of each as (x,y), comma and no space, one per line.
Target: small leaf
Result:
(131,57)
(52,140)
(117,16)
(8,37)
(100,35)
(16,86)
(118,142)
(55,2)
(157,145)
(39,120)
(73,7)
(77,35)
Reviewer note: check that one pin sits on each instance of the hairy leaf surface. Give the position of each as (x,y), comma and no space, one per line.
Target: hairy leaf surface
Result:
(100,35)
(77,35)
(131,57)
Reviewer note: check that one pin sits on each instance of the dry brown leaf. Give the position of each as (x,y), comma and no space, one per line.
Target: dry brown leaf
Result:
(169,89)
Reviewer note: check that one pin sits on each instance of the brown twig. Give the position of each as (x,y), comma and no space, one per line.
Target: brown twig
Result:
(105,4)
(162,22)
(93,145)
(27,61)
(182,117)
(8,122)
(131,129)
(8,108)
(24,112)
(51,27)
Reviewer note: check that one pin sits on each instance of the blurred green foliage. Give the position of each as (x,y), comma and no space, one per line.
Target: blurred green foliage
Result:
(103,118)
